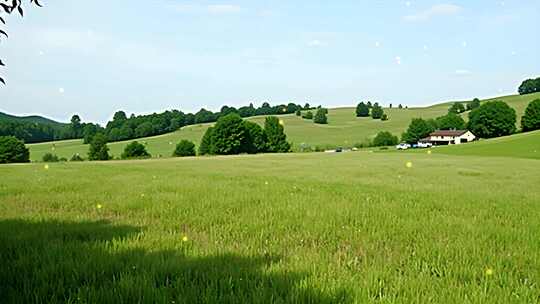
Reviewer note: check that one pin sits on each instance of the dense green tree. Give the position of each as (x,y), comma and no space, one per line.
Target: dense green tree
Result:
(135,150)
(531,119)
(385,138)
(320,116)
(256,138)
(298,113)
(492,119)
(184,148)
(457,108)
(98,148)
(229,135)
(400,106)
(369,105)
(529,86)
(206,142)
(13,150)
(76,129)
(362,110)
(247,111)
(307,106)
(275,135)
(144,130)
(204,116)
(475,103)
(418,129)
(451,121)
(377,111)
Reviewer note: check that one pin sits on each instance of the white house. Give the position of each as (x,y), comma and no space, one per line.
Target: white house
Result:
(450,137)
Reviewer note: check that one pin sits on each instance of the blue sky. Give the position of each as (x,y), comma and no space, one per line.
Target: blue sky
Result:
(78,57)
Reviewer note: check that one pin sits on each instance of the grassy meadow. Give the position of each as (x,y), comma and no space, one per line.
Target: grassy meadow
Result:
(307,228)
(343,129)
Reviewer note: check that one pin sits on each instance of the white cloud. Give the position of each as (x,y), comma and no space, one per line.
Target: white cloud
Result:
(463,73)
(317,43)
(398,60)
(223,9)
(434,11)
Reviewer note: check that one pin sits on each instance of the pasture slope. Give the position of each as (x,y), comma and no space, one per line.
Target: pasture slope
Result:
(291,228)
(523,145)
(344,129)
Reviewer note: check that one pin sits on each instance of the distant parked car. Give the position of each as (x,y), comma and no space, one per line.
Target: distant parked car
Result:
(339,150)
(424,145)
(403,146)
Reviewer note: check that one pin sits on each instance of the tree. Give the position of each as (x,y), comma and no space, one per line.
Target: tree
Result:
(320,116)
(277,140)
(8,7)
(135,150)
(204,116)
(450,121)
(307,106)
(474,104)
(98,148)
(384,138)
(400,106)
(362,110)
(256,138)
(457,108)
(369,105)
(184,148)
(206,142)
(531,119)
(308,115)
(377,111)
(13,150)
(298,113)
(418,129)
(492,119)
(229,135)
(529,86)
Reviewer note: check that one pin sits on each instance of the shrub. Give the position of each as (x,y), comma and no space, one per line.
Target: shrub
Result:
(384,117)
(320,116)
(298,113)
(76,158)
(384,138)
(50,158)
(13,150)
(531,119)
(418,129)
(184,148)
(492,119)
(135,150)
(206,142)
(256,138)
(377,111)
(362,110)
(308,115)
(277,140)
(98,148)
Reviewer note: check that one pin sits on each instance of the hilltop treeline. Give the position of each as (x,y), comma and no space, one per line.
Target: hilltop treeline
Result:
(529,86)
(122,127)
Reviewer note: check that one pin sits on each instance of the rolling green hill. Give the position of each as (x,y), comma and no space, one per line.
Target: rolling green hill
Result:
(524,145)
(343,129)
(32,119)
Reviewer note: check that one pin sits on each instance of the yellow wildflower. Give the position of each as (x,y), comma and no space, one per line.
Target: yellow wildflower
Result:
(99,206)
(489,272)
(184,238)
(46,167)
(409,164)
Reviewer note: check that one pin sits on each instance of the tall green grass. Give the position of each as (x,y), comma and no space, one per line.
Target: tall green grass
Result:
(306,228)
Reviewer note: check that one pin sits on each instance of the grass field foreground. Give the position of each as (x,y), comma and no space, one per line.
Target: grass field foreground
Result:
(315,228)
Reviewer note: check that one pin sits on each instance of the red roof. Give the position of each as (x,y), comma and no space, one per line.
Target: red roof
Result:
(448,133)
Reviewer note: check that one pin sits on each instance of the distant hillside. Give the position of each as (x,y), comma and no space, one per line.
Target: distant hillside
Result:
(522,145)
(343,129)
(31,119)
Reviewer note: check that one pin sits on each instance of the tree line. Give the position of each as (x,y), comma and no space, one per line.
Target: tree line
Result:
(374,110)
(529,86)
